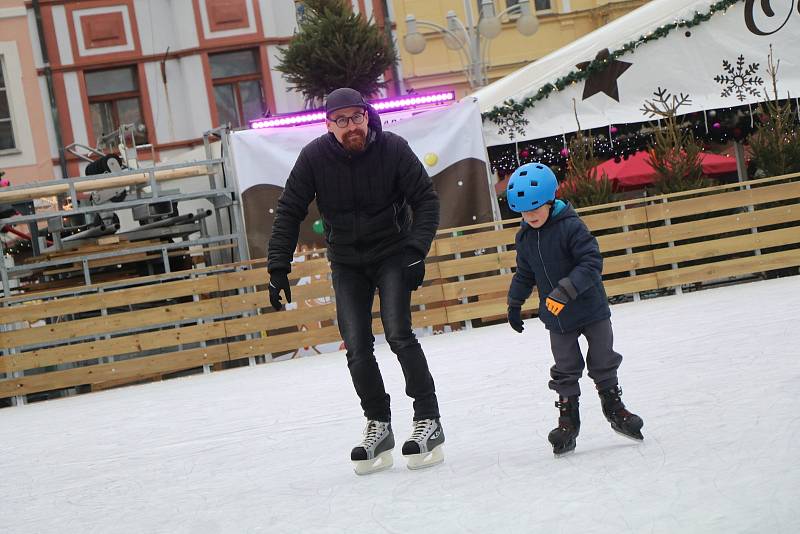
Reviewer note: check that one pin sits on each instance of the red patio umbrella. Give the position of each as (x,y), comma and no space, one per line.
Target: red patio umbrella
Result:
(636,170)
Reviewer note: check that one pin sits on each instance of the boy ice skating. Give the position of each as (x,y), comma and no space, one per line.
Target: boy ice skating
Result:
(558,254)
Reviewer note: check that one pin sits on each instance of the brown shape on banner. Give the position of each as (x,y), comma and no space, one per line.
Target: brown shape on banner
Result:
(604,80)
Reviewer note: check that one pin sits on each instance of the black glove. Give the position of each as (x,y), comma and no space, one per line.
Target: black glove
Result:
(414,271)
(279,281)
(515,318)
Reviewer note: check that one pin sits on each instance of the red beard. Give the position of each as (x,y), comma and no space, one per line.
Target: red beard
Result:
(354,141)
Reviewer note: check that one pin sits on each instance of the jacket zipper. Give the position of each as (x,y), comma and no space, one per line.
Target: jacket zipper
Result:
(355,207)
(539,248)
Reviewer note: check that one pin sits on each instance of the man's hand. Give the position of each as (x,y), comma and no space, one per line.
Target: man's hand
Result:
(279,281)
(414,272)
(556,300)
(515,318)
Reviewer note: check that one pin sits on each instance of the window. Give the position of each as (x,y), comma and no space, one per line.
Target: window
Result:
(538,5)
(6,128)
(236,77)
(114,100)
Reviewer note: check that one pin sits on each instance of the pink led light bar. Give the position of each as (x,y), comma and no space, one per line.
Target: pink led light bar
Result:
(387,104)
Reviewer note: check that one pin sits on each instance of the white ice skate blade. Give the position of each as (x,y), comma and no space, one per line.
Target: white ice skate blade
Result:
(381,462)
(426,459)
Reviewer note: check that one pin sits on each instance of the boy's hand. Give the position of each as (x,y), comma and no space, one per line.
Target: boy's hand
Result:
(556,300)
(515,318)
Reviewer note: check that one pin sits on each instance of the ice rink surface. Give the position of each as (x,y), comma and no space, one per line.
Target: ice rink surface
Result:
(714,374)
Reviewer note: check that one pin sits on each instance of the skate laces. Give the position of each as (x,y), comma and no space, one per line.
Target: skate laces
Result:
(372,432)
(421,430)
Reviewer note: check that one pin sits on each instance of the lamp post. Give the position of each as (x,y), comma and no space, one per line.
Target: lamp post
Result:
(470,39)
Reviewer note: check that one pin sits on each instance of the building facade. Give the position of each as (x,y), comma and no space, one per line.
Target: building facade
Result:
(174,68)
(439,67)
(24,143)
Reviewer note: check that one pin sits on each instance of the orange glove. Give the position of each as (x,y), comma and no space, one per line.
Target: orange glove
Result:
(556,300)
(553,305)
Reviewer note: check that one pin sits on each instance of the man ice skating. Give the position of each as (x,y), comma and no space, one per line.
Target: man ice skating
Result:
(558,254)
(380,214)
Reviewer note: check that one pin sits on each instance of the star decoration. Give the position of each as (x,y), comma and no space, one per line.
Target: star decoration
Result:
(604,80)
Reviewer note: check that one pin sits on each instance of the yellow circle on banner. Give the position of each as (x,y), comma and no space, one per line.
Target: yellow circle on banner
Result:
(431,159)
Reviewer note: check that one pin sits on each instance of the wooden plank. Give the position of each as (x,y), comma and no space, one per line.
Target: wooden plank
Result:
(735,267)
(471,288)
(631,284)
(451,245)
(129,369)
(726,223)
(276,320)
(294,340)
(182,274)
(728,245)
(283,342)
(33,193)
(615,219)
(110,299)
(623,240)
(111,323)
(627,262)
(111,347)
(471,265)
(723,201)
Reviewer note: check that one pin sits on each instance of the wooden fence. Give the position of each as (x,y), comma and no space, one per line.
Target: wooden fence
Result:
(202,319)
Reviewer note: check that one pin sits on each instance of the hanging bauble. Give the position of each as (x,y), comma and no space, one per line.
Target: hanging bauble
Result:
(318,227)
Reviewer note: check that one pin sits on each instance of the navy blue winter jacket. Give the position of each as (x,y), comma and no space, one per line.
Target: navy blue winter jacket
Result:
(564,252)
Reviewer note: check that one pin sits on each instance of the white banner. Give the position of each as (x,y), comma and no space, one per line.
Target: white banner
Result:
(719,63)
(439,137)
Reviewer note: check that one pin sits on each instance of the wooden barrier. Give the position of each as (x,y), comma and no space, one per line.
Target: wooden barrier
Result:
(127,331)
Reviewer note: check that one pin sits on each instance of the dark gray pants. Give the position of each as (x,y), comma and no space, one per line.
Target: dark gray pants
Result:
(601,359)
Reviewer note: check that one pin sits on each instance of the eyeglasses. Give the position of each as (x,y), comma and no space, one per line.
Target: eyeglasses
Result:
(342,122)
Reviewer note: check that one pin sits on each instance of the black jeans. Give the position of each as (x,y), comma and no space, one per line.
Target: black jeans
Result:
(355,291)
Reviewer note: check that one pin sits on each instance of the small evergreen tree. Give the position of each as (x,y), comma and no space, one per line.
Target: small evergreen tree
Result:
(776,144)
(582,186)
(335,48)
(675,153)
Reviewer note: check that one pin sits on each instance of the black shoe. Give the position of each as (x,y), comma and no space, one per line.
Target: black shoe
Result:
(563,437)
(622,421)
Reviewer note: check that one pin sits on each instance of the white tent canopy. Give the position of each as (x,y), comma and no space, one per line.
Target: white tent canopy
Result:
(718,63)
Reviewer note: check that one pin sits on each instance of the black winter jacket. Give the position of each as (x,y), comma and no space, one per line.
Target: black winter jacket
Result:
(373,204)
(562,248)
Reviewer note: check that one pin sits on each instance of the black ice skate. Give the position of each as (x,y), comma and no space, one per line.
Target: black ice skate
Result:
(424,447)
(563,437)
(622,421)
(375,451)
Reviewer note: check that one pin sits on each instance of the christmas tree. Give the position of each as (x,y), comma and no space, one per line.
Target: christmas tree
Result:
(582,186)
(675,153)
(335,48)
(776,144)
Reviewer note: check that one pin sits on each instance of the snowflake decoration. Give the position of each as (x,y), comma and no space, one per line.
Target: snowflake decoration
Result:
(741,79)
(512,124)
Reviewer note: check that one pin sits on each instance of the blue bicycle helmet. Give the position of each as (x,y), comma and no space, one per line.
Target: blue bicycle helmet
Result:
(531,186)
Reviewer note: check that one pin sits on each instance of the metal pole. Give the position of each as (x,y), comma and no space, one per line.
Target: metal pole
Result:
(741,171)
(475,67)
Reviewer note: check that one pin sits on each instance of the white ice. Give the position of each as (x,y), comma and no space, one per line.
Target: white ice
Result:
(714,374)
